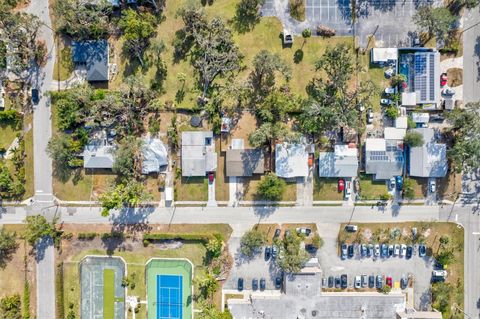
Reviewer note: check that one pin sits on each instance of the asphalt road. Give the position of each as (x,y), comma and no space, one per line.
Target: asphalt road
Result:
(42,131)
(471,55)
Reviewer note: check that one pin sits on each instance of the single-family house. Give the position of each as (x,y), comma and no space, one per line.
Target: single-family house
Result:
(430,159)
(154,155)
(420,119)
(93,55)
(393,133)
(343,162)
(98,154)
(401,122)
(291,160)
(244,162)
(383,158)
(198,153)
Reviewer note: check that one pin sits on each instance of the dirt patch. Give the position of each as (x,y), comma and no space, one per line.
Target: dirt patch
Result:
(168,244)
(455,77)
(427,232)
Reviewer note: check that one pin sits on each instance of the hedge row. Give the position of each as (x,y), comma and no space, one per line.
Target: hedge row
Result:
(86,236)
(190,236)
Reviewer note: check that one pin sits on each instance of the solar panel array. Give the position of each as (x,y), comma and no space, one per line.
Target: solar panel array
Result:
(378,156)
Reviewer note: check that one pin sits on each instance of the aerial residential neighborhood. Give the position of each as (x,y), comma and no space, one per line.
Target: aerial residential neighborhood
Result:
(243,159)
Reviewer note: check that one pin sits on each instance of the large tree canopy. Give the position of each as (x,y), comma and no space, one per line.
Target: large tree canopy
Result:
(436,21)
(332,104)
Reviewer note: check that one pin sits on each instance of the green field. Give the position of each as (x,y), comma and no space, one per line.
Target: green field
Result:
(108,293)
(181,267)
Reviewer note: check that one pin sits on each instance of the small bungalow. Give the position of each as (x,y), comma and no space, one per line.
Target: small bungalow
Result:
(420,119)
(383,158)
(430,159)
(245,162)
(98,154)
(154,156)
(343,162)
(92,54)
(291,160)
(198,153)
(383,55)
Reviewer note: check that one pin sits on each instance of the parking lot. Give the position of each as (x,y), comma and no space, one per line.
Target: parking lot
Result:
(420,268)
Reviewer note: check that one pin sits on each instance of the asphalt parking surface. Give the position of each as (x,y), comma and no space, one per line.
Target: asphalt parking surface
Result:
(335,14)
(332,265)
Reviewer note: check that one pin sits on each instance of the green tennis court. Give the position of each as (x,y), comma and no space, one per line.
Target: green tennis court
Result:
(169,288)
(108,293)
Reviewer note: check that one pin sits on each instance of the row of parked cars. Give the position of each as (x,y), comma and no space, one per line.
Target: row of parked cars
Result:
(255,284)
(363,281)
(383,250)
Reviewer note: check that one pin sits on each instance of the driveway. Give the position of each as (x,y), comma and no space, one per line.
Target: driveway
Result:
(45,257)
(395,267)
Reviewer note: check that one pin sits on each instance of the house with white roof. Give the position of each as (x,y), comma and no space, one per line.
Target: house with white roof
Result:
(342,162)
(430,159)
(154,155)
(291,160)
(198,153)
(98,154)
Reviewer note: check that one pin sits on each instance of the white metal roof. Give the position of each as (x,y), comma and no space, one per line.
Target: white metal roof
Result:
(384,54)
(291,160)
(401,122)
(409,99)
(420,117)
(393,133)
(375,144)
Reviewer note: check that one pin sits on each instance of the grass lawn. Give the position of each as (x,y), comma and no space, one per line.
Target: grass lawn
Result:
(222,190)
(265,35)
(375,74)
(29,173)
(449,186)
(326,189)
(8,134)
(370,189)
(250,185)
(82,185)
(269,229)
(420,187)
(64,66)
(191,189)
(108,293)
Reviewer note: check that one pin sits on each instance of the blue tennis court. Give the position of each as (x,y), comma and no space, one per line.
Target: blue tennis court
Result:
(169,297)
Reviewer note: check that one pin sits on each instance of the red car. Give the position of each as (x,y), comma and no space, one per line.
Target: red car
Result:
(341,185)
(211,177)
(310,160)
(443,79)
(389,281)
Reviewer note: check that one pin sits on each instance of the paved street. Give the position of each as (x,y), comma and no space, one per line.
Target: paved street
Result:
(45,279)
(471,55)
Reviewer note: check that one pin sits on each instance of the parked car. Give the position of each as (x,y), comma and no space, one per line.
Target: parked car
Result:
(388,73)
(348,189)
(341,185)
(422,250)
(344,251)
(350,251)
(369,250)
(403,250)
(240,284)
(377,250)
(287,233)
(364,281)
(338,282)
(356,185)
(448,91)
(443,79)
(389,281)
(351,228)
(278,282)
(390,250)
(439,275)
(304,231)
(274,251)
(391,183)
(358,282)
(277,233)
(287,37)
(396,250)
(254,284)
(330,281)
(262,283)
(310,159)
(379,281)
(35,96)
(432,185)
(385,101)
(399,182)
(371,281)
(403,282)
(369,116)
(384,249)
(409,251)
(344,279)
(363,250)
(211,177)
(268,252)
(324,282)
(389,90)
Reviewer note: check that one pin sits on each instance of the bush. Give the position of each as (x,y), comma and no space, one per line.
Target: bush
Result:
(391,112)
(271,187)
(317,241)
(297,9)
(386,289)
(251,241)
(86,236)
(113,235)
(26,300)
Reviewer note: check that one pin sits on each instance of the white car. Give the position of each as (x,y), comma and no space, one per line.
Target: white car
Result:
(389,90)
(448,91)
(377,250)
(391,183)
(439,273)
(396,250)
(432,186)
(385,101)
(348,189)
(358,282)
(287,37)
(403,250)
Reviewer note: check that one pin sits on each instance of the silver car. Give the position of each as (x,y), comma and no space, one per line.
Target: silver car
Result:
(376,250)
(358,282)
(396,250)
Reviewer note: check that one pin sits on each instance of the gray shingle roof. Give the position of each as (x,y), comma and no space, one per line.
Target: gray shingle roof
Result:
(97,154)
(94,54)
(198,153)
(245,162)
(332,165)
(429,160)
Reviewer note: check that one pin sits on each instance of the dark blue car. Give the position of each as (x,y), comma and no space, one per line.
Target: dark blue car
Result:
(399,182)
